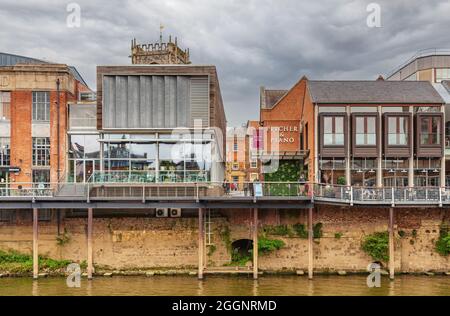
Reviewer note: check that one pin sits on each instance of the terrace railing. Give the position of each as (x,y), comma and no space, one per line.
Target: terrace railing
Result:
(114,187)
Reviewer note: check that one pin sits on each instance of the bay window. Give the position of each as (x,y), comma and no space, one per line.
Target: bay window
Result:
(333,131)
(366,131)
(398,131)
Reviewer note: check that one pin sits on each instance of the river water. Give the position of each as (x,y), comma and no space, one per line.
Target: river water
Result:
(228,285)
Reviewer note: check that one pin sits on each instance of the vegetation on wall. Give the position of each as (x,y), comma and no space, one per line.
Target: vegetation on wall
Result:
(211,250)
(376,245)
(297,229)
(225,235)
(266,245)
(15,262)
(63,238)
(443,243)
(338,235)
(288,171)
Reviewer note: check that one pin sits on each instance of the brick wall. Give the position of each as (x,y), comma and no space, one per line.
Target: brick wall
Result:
(130,243)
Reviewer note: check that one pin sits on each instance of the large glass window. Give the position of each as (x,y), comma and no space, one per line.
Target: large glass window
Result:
(427,172)
(398,130)
(5,106)
(333,130)
(430,131)
(332,171)
(366,130)
(395,172)
(41,151)
(4,151)
(41,106)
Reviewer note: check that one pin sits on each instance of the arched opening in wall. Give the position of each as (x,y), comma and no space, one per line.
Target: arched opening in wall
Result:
(242,251)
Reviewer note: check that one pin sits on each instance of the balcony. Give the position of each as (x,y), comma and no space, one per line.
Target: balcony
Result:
(128,189)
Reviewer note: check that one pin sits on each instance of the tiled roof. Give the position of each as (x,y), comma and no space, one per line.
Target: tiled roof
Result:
(270,97)
(378,91)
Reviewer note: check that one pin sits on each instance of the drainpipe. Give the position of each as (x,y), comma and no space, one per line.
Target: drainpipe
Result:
(57,135)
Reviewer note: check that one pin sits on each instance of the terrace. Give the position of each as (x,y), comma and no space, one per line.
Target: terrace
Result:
(116,187)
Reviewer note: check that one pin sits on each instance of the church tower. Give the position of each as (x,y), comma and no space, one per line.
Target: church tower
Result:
(165,53)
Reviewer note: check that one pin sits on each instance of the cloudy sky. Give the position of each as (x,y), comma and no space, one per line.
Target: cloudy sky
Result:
(252,42)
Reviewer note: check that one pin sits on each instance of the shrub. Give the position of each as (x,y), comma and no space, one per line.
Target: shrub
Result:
(266,245)
(338,235)
(377,246)
(280,230)
(300,230)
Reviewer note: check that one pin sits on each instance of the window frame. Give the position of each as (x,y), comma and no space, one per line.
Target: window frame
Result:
(40,149)
(35,104)
(2,106)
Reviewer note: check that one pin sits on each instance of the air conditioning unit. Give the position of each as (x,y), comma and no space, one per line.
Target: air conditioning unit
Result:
(175,212)
(162,212)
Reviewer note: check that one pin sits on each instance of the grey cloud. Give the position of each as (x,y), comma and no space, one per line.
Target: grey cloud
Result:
(252,43)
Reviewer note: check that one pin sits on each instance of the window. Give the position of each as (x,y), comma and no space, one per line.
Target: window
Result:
(235,146)
(41,106)
(366,130)
(41,151)
(430,131)
(4,151)
(398,131)
(235,166)
(253,163)
(235,179)
(254,177)
(5,106)
(333,131)
(41,176)
(257,139)
(442,74)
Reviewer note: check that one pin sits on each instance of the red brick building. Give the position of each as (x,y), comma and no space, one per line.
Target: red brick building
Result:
(34,118)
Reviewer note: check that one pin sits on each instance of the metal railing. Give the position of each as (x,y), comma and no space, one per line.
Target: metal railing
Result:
(149,176)
(135,189)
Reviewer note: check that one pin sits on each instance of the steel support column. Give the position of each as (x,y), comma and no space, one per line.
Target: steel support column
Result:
(310,243)
(201,243)
(35,244)
(391,243)
(90,263)
(255,243)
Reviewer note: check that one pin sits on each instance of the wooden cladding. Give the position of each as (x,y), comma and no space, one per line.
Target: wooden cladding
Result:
(333,134)
(429,135)
(395,138)
(365,135)
(397,132)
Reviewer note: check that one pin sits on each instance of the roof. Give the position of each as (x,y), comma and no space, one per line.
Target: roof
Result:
(378,91)
(270,97)
(7,59)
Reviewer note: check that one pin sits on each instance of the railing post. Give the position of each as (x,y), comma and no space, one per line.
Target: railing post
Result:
(88,194)
(351,196)
(393,196)
(196,192)
(440,197)
(143,193)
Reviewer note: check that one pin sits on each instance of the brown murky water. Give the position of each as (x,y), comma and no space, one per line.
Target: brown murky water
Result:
(227,286)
